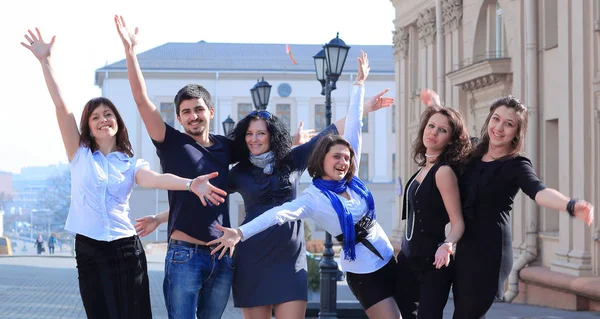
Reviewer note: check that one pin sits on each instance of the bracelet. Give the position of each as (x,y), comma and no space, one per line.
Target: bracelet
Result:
(188,186)
(360,83)
(571,206)
(446,242)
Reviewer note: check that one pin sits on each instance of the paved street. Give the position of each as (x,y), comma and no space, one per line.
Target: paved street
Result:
(46,288)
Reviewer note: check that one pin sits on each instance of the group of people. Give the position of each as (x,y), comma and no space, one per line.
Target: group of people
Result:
(472,189)
(39,244)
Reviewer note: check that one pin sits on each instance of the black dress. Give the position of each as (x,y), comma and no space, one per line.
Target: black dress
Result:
(270,267)
(484,257)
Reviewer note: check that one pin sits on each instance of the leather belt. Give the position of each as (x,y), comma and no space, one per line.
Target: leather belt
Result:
(188,244)
(361,230)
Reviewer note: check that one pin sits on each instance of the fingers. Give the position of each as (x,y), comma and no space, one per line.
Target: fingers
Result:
(223,251)
(29,38)
(122,21)
(300,127)
(378,95)
(216,249)
(39,34)
(32,35)
(218,191)
(202,200)
(211,175)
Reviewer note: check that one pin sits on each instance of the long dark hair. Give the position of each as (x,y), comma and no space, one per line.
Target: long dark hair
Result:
(317,157)
(459,145)
(510,102)
(123,144)
(280,141)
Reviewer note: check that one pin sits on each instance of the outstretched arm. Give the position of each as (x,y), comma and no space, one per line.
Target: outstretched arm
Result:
(146,225)
(554,199)
(66,120)
(153,121)
(199,186)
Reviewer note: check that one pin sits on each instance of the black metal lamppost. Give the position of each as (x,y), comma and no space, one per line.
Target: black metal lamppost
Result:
(228,125)
(260,94)
(329,64)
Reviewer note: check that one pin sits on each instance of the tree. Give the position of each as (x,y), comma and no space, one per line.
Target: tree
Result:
(56,197)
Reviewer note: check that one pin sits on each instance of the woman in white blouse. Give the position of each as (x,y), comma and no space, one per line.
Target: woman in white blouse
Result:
(111,263)
(339,201)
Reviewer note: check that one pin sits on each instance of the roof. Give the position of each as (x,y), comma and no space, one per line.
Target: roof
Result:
(204,56)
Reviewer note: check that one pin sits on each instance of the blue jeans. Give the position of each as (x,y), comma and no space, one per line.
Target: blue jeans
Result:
(196,285)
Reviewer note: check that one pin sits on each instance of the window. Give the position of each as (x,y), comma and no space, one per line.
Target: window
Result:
(550,24)
(283,113)
(393,166)
(319,117)
(365,124)
(243,110)
(499,31)
(393,118)
(167,111)
(363,170)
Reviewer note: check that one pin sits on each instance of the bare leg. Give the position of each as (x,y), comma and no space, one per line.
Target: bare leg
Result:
(291,310)
(385,309)
(261,312)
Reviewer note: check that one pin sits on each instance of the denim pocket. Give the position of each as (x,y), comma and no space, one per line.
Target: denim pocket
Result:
(229,261)
(180,256)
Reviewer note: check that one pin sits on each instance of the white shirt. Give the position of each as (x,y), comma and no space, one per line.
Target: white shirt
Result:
(313,204)
(100,190)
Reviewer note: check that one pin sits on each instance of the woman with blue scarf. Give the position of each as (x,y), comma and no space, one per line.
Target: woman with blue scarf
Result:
(340,202)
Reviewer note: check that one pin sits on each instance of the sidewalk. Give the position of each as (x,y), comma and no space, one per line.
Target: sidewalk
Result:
(46,287)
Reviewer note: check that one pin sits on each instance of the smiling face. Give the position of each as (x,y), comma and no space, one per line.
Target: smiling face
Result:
(336,162)
(258,138)
(194,115)
(103,123)
(437,134)
(503,127)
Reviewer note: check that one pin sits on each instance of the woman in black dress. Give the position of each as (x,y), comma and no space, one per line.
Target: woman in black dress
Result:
(271,266)
(492,177)
(424,269)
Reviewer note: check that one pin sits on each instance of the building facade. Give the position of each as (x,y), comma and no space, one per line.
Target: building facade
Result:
(547,53)
(228,71)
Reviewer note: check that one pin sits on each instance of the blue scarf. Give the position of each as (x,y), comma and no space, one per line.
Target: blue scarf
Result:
(330,188)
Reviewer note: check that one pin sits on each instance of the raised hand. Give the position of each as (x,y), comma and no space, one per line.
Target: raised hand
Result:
(429,97)
(206,191)
(584,211)
(35,43)
(302,136)
(378,101)
(228,241)
(128,38)
(363,67)
(146,225)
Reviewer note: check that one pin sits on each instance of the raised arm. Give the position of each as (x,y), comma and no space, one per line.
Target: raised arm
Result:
(66,120)
(153,121)
(353,126)
(555,200)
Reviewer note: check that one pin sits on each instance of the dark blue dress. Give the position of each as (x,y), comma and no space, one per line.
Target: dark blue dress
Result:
(270,267)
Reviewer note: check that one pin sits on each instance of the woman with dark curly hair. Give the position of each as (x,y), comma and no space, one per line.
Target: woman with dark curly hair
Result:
(431,200)
(271,267)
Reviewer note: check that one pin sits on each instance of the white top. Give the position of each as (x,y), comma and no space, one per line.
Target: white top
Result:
(100,190)
(313,204)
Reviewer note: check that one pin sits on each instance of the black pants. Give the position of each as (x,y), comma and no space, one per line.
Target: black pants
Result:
(113,278)
(422,290)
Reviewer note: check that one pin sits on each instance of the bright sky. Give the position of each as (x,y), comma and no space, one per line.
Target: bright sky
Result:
(86,40)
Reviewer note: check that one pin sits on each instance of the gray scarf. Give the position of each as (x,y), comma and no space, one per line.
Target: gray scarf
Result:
(264,161)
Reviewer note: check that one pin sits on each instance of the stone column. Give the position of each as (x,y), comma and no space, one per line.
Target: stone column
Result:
(452,12)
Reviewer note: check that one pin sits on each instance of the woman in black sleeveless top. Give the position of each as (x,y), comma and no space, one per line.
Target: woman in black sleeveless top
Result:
(431,200)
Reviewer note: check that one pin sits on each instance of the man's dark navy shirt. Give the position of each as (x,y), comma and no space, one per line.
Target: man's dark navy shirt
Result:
(181,155)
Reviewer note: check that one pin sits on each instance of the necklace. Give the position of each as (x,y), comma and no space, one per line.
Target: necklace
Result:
(429,156)
(412,229)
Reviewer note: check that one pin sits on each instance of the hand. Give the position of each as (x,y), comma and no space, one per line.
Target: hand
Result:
(37,46)
(584,211)
(128,38)
(205,190)
(442,255)
(430,97)
(302,136)
(229,239)
(146,225)
(363,67)
(378,102)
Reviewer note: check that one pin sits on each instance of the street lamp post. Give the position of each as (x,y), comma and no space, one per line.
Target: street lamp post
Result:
(260,94)
(228,125)
(329,64)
